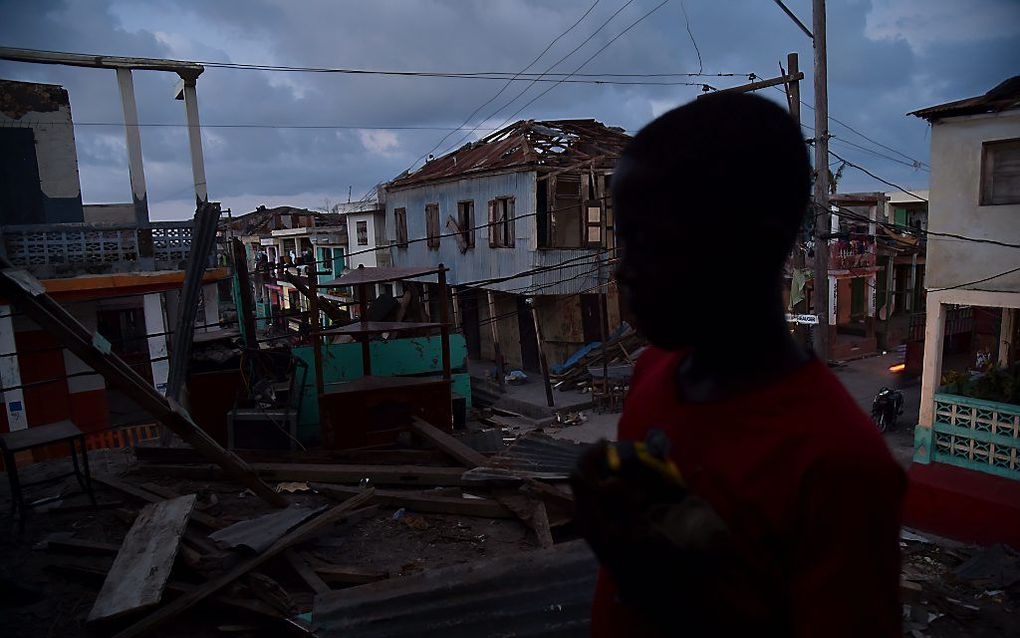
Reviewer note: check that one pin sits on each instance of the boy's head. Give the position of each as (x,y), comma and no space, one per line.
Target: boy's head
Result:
(709,199)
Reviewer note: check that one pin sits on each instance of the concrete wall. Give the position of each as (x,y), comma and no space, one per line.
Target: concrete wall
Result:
(109,214)
(45,110)
(376,235)
(956,147)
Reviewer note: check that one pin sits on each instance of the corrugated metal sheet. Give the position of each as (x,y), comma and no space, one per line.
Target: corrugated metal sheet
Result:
(539,593)
(1003,97)
(539,452)
(259,533)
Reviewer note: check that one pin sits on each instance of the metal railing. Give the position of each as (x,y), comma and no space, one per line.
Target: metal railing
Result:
(847,254)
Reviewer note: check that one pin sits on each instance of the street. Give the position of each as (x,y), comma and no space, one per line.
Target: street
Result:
(862,378)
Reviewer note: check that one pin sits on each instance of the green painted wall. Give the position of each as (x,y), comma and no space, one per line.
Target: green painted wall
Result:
(341,362)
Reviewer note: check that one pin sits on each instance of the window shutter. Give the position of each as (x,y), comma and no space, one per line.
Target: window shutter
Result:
(493,227)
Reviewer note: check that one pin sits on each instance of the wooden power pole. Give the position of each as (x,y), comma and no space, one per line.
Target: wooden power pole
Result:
(821,197)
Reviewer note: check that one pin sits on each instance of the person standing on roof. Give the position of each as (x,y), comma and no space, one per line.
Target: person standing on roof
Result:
(775,509)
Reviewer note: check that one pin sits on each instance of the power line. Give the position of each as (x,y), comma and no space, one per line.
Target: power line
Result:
(687,23)
(884,181)
(480,75)
(543,74)
(977,281)
(467,120)
(590,58)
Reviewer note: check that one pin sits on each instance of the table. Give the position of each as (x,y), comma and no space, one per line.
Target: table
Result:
(40,436)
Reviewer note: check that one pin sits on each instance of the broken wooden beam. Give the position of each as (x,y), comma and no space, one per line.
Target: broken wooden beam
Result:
(20,287)
(149,496)
(185,455)
(448,444)
(329,473)
(142,566)
(303,567)
(81,547)
(346,575)
(483,507)
(189,600)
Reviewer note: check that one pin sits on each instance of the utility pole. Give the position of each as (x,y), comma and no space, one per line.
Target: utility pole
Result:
(821,198)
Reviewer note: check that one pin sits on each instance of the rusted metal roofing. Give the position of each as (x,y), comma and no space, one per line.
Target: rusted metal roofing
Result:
(539,593)
(526,144)
(533,455)
(1004,97)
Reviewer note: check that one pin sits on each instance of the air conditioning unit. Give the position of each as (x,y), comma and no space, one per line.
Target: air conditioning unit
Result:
(258,429)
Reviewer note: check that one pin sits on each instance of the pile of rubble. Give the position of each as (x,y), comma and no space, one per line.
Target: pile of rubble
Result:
(199,556)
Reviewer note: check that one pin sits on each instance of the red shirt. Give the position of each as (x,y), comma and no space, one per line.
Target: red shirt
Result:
(799,458)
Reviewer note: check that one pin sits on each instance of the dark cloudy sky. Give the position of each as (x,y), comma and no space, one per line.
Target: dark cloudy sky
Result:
(886,57)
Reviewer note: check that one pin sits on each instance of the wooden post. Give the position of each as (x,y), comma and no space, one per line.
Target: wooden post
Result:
(793,86)
(821,208)
(366,350)
(541,355)
(316,325)
(495,339)
(444,318)
(604,328)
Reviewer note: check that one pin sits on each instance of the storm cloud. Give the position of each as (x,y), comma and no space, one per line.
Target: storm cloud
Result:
(886,57)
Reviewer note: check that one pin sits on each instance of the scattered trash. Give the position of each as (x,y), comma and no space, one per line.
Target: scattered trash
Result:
(907,535)
(516,377)
(996,567)
(415,521)
(570,418)
(365,482)
(292,487)
(399,514)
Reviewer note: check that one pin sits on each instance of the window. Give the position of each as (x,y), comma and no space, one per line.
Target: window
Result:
(432,225)
(325,265)
(400,219)
(1000,173)
(466,222)
(501,222)
(362,233)
(566,225)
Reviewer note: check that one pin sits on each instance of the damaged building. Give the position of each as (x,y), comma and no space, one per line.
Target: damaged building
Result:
(524,214)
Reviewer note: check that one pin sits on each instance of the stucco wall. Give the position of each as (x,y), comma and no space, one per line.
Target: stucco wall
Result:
(955,206)
(46,110)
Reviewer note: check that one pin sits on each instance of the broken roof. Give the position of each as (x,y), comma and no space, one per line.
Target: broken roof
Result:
(1004,97)
(526,144)
(263,221)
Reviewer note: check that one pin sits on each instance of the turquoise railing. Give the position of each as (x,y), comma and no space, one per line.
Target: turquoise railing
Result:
(974,434)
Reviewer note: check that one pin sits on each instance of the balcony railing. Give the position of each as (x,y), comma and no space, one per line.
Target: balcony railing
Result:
(975,434)
(848,254)
(66,250)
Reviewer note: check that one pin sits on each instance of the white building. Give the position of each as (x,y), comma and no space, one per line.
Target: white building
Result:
(975,193)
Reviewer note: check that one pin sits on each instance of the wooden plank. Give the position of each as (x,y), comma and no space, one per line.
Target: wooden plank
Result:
(81,547)
(347,575)
(462,453)
(150,497)
(486,508)
(328,473)
(143,564)
(185,602)
(299,561)
(199,517)
(180,456)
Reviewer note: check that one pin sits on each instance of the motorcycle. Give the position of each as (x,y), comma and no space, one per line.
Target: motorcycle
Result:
(886,407)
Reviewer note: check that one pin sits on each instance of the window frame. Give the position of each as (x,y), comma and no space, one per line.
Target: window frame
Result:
(432,231)
(466,225)
(502,222)
(358,226)
(987,195)
(400,226)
